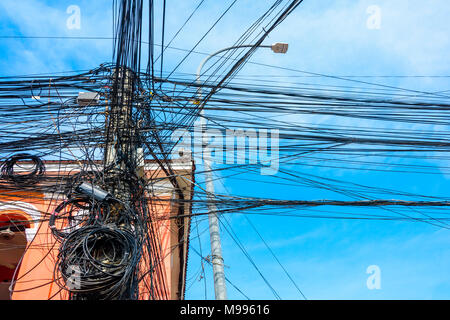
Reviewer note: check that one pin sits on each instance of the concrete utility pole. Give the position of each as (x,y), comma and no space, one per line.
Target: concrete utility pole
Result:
(220,288)
(121,148)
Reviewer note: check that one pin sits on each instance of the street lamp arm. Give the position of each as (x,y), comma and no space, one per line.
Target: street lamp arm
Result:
(276,47)
(200,67)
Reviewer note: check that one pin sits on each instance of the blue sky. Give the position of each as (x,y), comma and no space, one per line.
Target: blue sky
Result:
(327,258)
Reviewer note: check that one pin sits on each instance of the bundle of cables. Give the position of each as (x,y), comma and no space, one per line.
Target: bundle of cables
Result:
(27,175)
(98,262)
(99,254)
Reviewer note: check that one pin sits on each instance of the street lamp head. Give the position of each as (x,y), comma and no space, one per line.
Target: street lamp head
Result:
(279,47)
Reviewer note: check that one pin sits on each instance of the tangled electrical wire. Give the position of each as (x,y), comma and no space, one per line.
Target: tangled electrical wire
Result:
(99,262)
(100,243)
(106,227)
(34,174)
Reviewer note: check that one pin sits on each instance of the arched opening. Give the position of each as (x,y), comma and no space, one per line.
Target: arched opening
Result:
(13,241)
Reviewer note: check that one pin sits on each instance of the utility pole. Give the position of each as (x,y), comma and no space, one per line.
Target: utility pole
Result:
(118,192)
(115,190)
(220,288)
(121,147)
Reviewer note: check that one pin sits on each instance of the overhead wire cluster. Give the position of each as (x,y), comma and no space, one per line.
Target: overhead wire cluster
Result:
(105,222)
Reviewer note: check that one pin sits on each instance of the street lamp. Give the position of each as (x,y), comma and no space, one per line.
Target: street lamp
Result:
(216,248)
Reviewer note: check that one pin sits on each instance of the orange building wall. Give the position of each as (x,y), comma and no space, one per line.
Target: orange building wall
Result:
(36,274)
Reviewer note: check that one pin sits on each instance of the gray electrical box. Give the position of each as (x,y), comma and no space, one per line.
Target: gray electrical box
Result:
(92,191)
(88,98)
